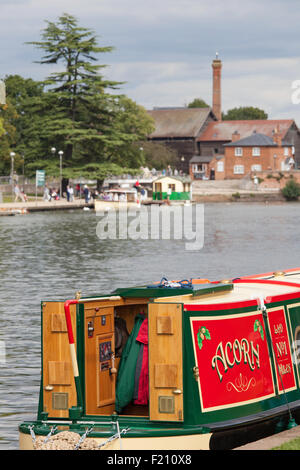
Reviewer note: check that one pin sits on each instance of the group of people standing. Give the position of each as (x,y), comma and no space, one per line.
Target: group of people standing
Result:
(51,194)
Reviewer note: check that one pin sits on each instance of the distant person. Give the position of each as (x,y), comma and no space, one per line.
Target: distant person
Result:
(18,193)
(46,196)
(71,194)
(68,193)
(25,198)
(86,193)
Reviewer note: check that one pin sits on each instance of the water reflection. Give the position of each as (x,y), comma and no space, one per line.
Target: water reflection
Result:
(47,256)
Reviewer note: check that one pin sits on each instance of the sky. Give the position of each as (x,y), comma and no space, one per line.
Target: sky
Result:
(163,49)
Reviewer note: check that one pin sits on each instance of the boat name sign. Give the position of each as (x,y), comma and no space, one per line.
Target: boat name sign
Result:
(234,362)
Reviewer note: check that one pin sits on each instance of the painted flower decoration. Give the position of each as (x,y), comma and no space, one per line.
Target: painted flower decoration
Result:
(258,327)
(202,334)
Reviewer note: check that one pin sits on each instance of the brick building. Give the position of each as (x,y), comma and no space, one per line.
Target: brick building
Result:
(179,128)
(200,137)
(251,155)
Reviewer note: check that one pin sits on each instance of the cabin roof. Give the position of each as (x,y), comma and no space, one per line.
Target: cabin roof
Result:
(183,179)
(243,290)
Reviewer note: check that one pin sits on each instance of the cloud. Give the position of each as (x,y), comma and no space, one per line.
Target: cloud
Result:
(163,49)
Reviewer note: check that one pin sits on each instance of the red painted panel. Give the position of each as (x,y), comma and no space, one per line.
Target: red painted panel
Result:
(232,356)
(281,350)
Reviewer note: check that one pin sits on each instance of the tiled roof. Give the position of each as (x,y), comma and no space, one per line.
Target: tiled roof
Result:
(179,122)
(259,140)
(223,130)
(201,159)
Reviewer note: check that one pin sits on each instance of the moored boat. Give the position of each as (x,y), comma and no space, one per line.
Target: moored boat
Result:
(119,198)
(188,364)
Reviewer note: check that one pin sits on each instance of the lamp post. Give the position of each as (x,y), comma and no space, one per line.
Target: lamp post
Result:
(60,153)
(12,156)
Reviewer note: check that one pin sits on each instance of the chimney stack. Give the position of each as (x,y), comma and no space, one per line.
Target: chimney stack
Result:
(277,137)
(235,136)
(216,105)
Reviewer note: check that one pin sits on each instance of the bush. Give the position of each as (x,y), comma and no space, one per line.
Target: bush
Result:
(291,190)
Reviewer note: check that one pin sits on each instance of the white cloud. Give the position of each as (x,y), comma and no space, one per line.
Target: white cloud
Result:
(164,48)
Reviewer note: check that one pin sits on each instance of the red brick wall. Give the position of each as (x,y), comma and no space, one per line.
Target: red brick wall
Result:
(277,179)
(265,159)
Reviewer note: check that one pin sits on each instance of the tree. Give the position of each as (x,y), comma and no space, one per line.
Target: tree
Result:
(291,190)
(8,116)
(79,90)
(158,155)
(26,95)
(244,113)
(131,126)
(79,113)
(198,103)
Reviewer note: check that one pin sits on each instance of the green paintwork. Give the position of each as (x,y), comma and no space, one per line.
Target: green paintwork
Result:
(174,196)
(155,292)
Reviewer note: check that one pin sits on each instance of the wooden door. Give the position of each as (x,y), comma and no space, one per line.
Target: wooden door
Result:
(59,392)
(165,362)
(99,350)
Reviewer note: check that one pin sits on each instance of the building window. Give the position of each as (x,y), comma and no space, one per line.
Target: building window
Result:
(256,168)
(238,151)
(238,169)
(220,166)
(256,151)
(286,151)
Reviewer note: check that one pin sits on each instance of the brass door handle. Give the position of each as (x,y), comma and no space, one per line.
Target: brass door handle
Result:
(49,388)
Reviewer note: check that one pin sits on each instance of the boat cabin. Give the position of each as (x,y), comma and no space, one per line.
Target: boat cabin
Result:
(172,187)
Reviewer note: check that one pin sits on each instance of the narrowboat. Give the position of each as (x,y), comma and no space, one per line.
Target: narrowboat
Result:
(192,364)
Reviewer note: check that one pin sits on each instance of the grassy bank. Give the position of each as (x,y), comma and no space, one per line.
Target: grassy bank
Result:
(294,444)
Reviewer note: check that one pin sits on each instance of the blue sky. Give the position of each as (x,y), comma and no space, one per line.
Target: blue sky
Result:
(164,48)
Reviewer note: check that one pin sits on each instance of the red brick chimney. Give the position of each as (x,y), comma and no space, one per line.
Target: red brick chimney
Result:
(277,137)
(235,136)
(216,105)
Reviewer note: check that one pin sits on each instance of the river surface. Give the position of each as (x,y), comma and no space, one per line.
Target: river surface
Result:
(51,255)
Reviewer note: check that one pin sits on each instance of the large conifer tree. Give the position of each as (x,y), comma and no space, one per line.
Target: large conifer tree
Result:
(77,93)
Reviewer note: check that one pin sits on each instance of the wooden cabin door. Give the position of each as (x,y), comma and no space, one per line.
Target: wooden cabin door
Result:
(165,362)
(99,350)
(59,393)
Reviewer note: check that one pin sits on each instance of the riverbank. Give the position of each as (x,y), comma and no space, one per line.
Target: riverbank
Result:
(239,196)
(12,208)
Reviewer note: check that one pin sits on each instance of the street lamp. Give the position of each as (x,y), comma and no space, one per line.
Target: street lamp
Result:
(60,153)
(12,156)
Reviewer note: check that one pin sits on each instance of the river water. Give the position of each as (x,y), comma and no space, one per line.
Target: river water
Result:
(51,255)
